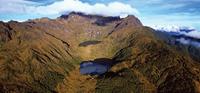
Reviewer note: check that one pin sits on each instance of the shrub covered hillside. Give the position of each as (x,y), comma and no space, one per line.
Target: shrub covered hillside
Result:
(43,56)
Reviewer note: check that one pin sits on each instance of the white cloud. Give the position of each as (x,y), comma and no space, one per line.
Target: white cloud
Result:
(15,6)
(182,30)
(184,41)
(194,34)
(172,6)
(179,19)
(189,42)
(28,7)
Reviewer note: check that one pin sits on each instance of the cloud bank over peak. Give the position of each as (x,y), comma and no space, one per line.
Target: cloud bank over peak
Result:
(27,7)
(111,9)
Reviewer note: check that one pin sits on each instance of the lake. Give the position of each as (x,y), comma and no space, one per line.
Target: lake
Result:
(96,67)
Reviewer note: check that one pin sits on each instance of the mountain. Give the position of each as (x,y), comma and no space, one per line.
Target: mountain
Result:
(184,38)
(185,32)
(44,56)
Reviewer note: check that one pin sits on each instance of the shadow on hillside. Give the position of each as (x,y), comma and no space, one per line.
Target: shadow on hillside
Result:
(87,43)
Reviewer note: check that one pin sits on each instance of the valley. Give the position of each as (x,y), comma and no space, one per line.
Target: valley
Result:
(44,56)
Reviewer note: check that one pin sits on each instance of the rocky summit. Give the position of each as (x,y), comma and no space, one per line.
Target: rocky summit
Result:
(44,56)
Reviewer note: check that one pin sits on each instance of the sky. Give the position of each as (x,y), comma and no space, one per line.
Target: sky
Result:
(150,12)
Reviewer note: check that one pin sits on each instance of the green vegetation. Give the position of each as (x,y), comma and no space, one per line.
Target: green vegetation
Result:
(43,56)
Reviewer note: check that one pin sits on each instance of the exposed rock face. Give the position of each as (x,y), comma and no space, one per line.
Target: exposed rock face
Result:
(43,56)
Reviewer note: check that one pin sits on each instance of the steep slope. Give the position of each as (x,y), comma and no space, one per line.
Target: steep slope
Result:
(186,44)
(32,60)
(43,56)
(151,66)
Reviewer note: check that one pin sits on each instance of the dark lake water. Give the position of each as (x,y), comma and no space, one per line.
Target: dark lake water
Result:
(87,43)
(96,67)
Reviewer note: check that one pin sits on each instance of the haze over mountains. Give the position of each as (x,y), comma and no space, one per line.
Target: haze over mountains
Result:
(184,30)
(44,56)
(185,35)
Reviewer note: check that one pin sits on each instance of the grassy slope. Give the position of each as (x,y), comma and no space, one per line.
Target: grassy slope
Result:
(152,66)
(43,55)
(32,60)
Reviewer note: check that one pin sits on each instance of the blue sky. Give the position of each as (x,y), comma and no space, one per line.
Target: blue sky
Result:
(150,12)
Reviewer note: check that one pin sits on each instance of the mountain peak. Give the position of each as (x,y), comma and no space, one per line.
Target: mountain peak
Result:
(132,20)
(90,16)
(101,20)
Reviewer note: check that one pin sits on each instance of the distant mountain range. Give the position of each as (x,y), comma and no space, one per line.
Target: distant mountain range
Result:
(184,38)
(184,35)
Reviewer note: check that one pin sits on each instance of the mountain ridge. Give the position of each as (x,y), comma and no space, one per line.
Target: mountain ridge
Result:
(43,56)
